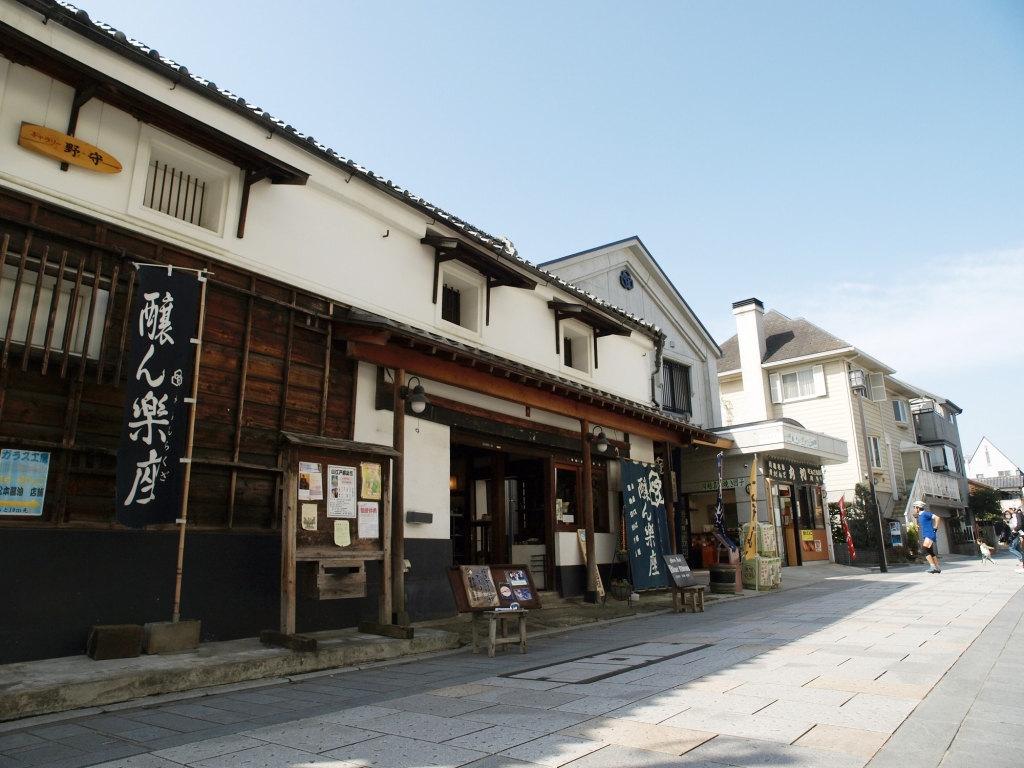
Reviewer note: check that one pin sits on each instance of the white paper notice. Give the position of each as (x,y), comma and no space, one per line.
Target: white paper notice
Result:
(341,491)
(342,537)
(369,524)
(309,517)
(311,481)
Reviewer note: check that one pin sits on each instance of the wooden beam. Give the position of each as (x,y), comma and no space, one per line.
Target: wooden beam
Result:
(475,380)
(499,528)
(400,616)
(590,595)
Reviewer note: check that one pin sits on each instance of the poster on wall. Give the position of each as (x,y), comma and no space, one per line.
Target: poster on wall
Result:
(369,520)
(311,481)
(371,480)
(646,524)
(150,474)
(23,481)
(341,491)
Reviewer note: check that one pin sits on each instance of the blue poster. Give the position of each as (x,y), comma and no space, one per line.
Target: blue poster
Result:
(646,524)
(23,481)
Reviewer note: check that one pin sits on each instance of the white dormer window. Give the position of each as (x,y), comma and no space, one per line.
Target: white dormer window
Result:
(577,346)
(802,384)
(460,298)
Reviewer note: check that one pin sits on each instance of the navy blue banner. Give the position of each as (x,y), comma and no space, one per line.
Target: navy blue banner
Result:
(646,524)
(150,475)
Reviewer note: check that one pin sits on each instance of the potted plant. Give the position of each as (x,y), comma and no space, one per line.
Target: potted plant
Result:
(621,589)
(622,556)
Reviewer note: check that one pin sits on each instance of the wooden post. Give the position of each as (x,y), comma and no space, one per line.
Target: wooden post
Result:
(188,444)
(400,616)
(499,525)
(590,595)
(289,516)
(670,503)
(384,596)
(549,523)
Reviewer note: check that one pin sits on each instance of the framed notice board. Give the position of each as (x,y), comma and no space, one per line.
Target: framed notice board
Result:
(486,587)
(336,518)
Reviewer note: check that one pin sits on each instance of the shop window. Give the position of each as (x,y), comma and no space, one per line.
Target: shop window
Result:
(569,498)
(676,395)
(798,385)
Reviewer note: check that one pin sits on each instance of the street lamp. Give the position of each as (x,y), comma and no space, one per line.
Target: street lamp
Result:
(858,384)
(418,400)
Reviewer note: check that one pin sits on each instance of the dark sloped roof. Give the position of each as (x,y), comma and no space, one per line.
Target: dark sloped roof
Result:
(78,20)
(785,339)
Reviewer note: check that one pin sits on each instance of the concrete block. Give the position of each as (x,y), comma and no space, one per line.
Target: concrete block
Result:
(168,636)
(114,641)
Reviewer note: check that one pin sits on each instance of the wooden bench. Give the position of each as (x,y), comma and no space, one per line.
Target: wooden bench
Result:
(493,618)
(692,596)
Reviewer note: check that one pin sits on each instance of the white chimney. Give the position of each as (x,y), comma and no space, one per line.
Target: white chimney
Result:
(757,404)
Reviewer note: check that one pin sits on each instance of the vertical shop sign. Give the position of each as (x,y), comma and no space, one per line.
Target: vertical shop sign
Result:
(150,471)
(646,524)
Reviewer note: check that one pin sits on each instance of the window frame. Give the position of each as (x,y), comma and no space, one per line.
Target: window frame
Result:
(471,304)
(667,366)
(875,452)
(576,331)
(902,406)
(777,387)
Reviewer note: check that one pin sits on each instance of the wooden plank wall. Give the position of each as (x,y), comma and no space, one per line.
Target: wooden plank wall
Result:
(266,348)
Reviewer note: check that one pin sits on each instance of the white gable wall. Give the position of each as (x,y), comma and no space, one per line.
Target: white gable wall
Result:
(598,273)
(989,461)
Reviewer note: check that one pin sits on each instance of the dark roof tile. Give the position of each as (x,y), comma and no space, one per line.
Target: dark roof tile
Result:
(785,339)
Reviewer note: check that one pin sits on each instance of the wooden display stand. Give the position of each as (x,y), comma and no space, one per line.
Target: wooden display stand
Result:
(330,571)
(482,602)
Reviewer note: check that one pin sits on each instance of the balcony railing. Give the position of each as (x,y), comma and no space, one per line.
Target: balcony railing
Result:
(933,485)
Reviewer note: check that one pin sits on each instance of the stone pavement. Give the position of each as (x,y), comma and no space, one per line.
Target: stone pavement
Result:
(820,675)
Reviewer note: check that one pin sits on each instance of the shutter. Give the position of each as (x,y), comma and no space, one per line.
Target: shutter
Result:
(876,387)
(775,382)
(819,381)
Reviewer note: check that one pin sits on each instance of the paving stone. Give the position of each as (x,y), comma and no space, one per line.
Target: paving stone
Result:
(146,733)
(553,750)
(723,701)
(730,750)
(616,756)
(203,750)
(266,756)
(777,729)
(459,691)
(495,739)
(849,741)
(18,740)
(546,721)
(525,698)
(713,684)
(877,687)
(60,731)
(499,761)
(93,742)
(424,727)
(792,693)
(650,710)
(311,737)
(140,761)
(627,733)
(399,752)
(46,753)
(356,715)
(445,706)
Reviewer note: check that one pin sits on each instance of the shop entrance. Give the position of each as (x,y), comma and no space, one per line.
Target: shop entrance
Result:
(784,505)
(499,510)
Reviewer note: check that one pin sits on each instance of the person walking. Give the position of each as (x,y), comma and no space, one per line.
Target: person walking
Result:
(1016,523)
(928,522)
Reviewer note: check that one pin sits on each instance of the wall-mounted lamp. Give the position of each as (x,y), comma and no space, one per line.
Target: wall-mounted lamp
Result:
(857,381)
(453,483)
(599,440)
(418,399)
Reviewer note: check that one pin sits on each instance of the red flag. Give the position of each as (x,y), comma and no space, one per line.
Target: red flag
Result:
(846,528)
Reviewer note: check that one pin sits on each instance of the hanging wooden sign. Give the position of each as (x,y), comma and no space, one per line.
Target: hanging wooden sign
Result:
(67,149)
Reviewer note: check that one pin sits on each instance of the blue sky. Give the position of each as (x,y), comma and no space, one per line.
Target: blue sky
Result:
(859,164)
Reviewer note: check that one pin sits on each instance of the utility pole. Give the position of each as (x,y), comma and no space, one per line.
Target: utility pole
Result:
(858,384)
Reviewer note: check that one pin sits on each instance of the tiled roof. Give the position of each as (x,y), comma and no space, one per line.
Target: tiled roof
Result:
(78,20)
(785,339)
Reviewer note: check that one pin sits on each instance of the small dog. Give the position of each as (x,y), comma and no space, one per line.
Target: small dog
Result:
(986,553)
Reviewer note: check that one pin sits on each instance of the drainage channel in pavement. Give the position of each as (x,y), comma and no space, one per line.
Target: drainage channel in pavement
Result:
(590,669)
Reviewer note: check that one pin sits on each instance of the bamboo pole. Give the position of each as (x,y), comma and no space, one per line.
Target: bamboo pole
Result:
(188,450)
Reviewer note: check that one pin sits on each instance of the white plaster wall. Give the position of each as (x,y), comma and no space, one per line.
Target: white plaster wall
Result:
(371,425)
(641,449)
(427,469)
(342,252)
